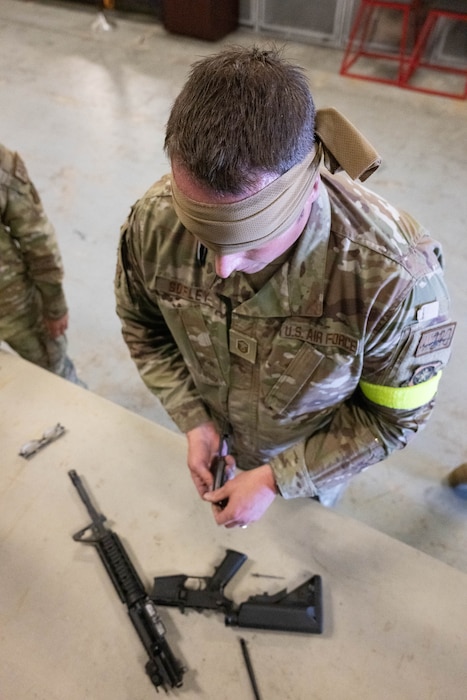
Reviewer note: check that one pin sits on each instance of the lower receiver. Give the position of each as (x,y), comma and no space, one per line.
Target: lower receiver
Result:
(297,611)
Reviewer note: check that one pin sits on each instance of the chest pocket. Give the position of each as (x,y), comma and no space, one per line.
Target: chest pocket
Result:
(198,350)
(312,382)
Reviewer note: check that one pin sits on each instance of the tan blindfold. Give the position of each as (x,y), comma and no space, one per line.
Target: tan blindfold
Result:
(265,215)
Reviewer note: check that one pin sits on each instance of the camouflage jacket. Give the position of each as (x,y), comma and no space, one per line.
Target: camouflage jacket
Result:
(30,261)
(359,307)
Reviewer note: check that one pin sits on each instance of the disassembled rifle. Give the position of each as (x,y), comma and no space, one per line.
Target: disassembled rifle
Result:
(162,667)
(297,611)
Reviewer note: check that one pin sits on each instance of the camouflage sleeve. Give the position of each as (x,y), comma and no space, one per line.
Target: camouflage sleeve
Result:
(35,238)
(151,345)
(404,358)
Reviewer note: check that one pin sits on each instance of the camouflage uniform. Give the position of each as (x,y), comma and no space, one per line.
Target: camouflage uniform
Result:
(324,369)
(31,271)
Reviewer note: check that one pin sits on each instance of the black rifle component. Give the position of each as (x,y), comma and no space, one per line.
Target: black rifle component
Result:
(33,446)
(218,468)
(297,611)
(162,667)
(209,591)
(249,668)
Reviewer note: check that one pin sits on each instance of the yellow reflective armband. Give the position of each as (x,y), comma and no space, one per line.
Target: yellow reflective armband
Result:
(404,397)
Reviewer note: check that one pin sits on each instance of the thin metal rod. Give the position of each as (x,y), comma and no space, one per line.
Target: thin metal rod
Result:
(249,668)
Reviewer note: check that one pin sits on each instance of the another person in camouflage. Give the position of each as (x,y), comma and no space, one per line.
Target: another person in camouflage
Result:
(33,310)
(263,295)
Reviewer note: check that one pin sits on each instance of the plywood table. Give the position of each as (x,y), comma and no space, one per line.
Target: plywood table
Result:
(395,620)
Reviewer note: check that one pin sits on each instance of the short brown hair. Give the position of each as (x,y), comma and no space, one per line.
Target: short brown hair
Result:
(242,113)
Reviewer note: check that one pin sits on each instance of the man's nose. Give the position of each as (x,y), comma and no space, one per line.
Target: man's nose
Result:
(226,264)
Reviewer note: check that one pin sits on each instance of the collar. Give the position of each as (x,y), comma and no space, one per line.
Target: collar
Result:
(297,287)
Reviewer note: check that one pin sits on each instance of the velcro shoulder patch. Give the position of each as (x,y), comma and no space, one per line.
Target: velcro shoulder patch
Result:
(435,339)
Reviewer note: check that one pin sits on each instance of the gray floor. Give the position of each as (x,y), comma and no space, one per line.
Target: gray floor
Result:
(87,110)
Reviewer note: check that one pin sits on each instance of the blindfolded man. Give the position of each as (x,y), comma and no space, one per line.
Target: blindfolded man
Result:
(265,293)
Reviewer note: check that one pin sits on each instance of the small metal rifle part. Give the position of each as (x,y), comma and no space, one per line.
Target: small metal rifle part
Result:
(30,448)
(218,468)
(249,668)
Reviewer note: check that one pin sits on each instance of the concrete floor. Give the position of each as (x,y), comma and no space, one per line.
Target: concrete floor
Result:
(87,110)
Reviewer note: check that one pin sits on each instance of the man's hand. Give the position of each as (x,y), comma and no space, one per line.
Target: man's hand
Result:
(249,495)
(56,326)
(203,445)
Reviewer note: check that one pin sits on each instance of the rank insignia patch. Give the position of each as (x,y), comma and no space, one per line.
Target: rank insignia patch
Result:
(435,339)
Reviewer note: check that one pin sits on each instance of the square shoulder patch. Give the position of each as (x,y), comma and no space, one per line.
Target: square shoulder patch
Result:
(435,339)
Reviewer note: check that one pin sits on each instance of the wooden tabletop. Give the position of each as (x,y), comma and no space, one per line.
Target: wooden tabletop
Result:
(395,620)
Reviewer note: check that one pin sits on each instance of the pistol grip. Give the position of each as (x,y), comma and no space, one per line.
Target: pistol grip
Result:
(228,567)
